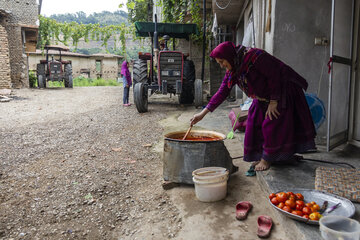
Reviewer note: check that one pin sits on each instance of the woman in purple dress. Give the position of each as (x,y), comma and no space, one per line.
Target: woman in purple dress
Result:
(126,82)
(279,121)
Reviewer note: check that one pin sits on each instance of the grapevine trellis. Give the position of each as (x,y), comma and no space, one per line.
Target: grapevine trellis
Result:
(53,31)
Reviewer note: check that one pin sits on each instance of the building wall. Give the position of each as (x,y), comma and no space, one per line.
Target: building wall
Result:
(294,35)
(269,36)
(5,80)
(109,65)
(110,68)
(22,12)
(195,54)
(294,26)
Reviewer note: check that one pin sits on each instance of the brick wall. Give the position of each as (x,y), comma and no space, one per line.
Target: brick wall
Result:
(5,80)
(22,12)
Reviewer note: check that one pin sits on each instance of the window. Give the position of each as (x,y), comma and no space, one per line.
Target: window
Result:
(98,66)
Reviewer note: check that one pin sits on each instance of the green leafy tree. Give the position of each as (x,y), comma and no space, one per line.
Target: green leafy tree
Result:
(174,11)
(139,10)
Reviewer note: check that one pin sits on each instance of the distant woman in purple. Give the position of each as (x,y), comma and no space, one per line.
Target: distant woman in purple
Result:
(279,121)
(126,82)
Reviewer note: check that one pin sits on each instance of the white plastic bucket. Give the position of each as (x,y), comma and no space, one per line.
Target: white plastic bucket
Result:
(210,183)
(338,227)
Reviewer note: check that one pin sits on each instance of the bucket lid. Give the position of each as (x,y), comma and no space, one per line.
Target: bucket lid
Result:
(210,173)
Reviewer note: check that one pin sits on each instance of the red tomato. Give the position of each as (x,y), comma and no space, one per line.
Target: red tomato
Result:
(290,194)
(306,210)
(281,205)
(281,197)
(315,216)
(315,207)
(299,213)
(299,196)
(286,209)
(299,205)
(274,201)
(271,196)
(308,205)
(292,198)
(295,212)
(290,203)
(306,216)
(300,202)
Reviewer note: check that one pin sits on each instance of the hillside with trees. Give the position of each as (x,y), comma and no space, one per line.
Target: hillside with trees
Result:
(103,18)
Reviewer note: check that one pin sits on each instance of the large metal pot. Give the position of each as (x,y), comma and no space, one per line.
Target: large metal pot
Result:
(201,149)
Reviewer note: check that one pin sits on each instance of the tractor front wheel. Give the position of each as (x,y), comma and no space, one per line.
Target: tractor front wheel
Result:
(140,71)
(141,97)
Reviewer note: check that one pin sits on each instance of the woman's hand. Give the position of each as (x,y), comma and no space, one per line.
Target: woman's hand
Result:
(272,110)
(198,117)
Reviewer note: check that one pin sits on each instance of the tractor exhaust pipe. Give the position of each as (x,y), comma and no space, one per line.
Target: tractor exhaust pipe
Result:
(156,46)
(156,43)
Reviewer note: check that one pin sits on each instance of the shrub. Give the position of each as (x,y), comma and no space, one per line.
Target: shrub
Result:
(32,79)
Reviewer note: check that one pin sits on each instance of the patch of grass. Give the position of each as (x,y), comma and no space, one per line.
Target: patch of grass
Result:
(86,82)
(54,84)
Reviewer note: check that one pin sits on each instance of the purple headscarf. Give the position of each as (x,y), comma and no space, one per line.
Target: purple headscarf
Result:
(234,55)
(124,67)
(225,50)
(125,72)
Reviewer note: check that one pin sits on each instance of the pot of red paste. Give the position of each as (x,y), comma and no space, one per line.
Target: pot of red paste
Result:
(200,149)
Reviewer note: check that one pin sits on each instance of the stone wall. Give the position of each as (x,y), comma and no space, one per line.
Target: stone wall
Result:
(5,80)
(22,12)
(195,54)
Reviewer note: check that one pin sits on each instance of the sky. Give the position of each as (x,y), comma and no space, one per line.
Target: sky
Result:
(50,7)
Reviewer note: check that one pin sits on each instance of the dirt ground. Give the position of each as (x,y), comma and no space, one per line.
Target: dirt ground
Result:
(76,164)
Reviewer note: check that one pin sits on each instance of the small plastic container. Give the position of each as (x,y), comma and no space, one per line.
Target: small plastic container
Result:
(339,228)
(210,183)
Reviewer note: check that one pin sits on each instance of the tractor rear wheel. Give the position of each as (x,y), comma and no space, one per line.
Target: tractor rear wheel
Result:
(68,81)
(41,77)
(140,73)
(198,93)
(141,97)
(187,91)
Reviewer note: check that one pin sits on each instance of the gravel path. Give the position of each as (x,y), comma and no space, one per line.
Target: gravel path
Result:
(76,164)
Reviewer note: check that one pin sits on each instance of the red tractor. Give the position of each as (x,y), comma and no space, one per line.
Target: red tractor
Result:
(175,73)
(54,69)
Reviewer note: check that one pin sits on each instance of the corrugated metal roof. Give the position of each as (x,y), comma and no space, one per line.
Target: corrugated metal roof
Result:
(54,52)
(106,55)
(63,53)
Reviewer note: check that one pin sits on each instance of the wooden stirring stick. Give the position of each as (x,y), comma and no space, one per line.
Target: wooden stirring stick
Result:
(187,133)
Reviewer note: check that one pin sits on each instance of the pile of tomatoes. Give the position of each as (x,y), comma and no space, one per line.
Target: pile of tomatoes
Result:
(294,203)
